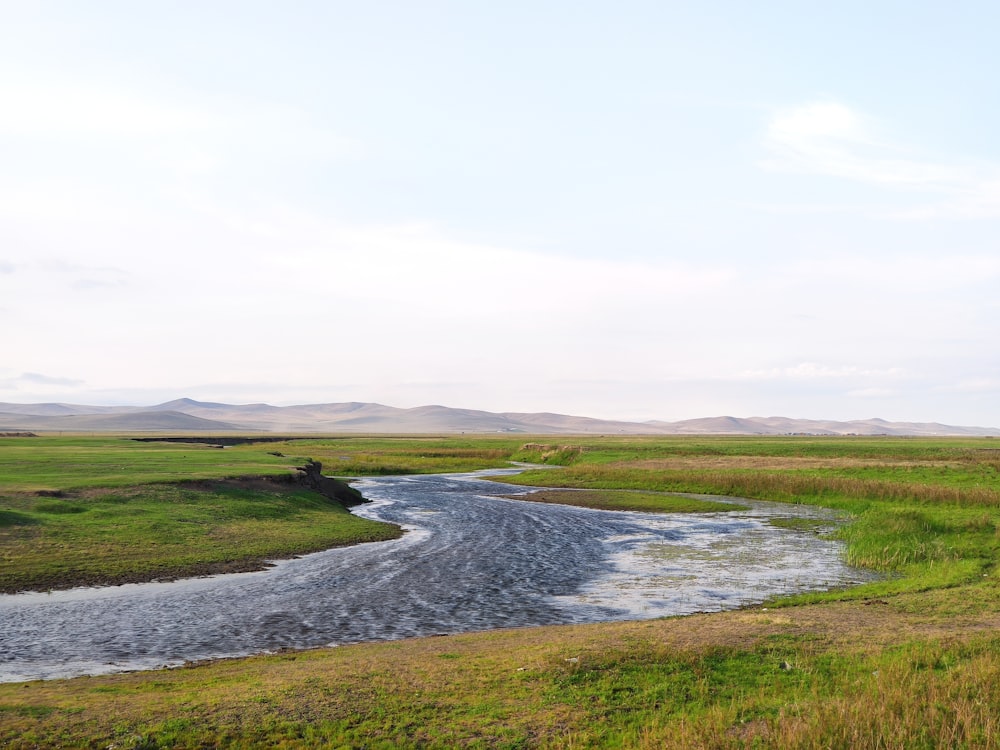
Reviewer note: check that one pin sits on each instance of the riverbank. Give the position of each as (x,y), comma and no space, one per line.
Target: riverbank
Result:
(96,511)
(471,561)
(99,536)
(920,670)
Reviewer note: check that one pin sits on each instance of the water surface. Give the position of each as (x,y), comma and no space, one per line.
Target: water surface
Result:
(469,561)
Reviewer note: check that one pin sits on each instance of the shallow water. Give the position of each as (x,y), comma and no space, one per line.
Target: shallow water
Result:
(469,561)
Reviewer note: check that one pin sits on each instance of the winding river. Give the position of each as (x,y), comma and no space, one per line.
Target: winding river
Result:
(469,561)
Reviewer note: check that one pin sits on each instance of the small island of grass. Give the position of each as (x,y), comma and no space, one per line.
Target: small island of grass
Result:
(646,502)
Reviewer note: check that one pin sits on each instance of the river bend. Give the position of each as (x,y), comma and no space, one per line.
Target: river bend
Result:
(469,561)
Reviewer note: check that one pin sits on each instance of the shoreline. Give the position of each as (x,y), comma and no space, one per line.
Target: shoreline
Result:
(245,531)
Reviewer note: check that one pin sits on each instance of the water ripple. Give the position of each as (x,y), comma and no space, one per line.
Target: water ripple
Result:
(469,561)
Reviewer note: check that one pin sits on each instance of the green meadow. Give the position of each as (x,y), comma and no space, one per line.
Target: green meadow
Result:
(911,660)
(87,511)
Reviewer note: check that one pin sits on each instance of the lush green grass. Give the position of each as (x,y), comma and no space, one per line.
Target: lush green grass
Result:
(912,661)
(145,532)
(360,456)
(68,463)
(85,511)
(72,463)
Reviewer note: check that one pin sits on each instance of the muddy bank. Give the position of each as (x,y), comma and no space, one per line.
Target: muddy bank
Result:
(311,475)
(73,579)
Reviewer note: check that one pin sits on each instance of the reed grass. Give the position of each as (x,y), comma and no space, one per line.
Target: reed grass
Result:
(941,527)
(762,484)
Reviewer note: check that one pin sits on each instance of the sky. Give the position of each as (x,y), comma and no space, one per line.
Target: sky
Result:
(632,210)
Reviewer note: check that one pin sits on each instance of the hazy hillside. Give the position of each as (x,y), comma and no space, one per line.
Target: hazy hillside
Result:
(187,415)
(129,421)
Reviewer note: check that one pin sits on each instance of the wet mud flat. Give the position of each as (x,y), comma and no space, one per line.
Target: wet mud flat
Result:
(470,560)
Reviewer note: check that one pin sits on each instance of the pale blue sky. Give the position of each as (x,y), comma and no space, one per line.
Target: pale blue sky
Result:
(639,210)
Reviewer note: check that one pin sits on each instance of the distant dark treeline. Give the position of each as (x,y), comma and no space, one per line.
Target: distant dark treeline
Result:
(220,441)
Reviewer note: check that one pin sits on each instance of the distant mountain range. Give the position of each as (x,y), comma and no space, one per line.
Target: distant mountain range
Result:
(186,415)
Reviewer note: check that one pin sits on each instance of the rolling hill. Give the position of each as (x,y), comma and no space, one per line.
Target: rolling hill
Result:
(187,415)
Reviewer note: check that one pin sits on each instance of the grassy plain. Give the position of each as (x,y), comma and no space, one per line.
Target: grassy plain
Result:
(912,661)
(86,511)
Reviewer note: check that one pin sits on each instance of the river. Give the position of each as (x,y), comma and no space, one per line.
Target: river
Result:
(469,561)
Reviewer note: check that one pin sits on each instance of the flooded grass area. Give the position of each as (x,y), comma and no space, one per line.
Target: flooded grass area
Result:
(924,511)
(723,561)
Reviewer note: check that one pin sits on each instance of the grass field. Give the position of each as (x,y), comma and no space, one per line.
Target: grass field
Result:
(112,510)
(925,511)
(912,661)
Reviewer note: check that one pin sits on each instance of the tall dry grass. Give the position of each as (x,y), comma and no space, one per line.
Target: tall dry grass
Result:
(764,485)
(927,696)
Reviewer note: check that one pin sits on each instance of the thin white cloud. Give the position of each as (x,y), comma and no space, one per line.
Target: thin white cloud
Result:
(819,371)
(973,385)
(904,272)
(424,266)
(340,299)
(832,139)
(39,380)
(191,135)
(43,109)
(872,393)
(36,378)
(978,199)
(50,202)
(41,273)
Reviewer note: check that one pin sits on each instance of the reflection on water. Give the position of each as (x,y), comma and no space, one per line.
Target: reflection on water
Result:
(685,564)
(469,561)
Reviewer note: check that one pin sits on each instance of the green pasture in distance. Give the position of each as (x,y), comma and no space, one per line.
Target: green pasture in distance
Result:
(33,463)
(52,463)
(604,449)
(385,456)
(69,463)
